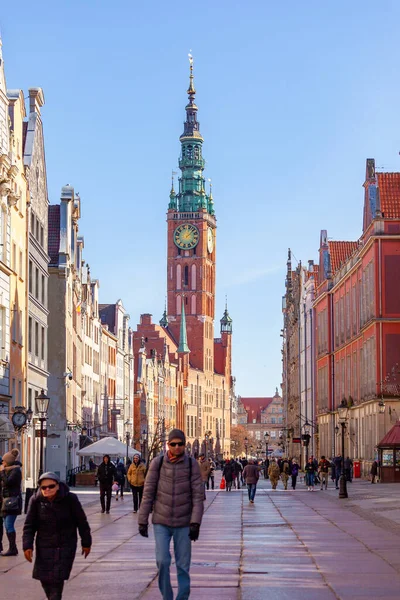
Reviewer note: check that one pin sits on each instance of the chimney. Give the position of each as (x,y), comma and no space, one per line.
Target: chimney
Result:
(36,100)
(145,319)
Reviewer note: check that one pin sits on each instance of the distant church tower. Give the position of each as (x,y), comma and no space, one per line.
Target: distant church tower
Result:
(192,245)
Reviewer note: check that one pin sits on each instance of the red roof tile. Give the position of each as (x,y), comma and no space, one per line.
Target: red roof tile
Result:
(389,193)
(254,406)
(54,233)
(392,438)
(340,252)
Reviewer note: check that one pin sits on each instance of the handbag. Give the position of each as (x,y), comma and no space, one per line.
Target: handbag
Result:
(11,506)
(222,485)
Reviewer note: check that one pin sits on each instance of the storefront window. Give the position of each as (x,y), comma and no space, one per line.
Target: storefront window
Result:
(387,458)
(398,457)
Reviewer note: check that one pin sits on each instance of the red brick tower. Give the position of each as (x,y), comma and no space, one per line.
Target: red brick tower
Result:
(191,246)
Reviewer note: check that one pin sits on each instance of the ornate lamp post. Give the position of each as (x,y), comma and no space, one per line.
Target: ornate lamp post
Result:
(266,439)
(42,406)
(343,412)
(246,443)
(381,407)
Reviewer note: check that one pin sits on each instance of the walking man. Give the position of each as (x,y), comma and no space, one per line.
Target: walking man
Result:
(106,474)
(205,469)
(323,468)
(274,473)
(211,474)
(295,473)
(174,490)
(136,476)
(251,474)
(285,472)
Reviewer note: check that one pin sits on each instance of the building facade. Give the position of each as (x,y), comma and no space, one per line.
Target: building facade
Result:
(260,416)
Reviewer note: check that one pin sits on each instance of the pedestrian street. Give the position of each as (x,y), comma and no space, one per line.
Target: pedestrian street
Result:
(288,545)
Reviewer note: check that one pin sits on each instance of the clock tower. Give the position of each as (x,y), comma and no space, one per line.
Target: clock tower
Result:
(192,245)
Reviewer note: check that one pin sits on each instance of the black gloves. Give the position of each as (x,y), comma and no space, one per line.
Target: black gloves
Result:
(144,530)
(194,531)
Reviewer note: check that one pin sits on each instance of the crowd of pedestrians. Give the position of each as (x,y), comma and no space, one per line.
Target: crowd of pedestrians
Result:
(173,491)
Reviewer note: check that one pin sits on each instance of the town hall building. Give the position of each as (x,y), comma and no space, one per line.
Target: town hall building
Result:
(183,373)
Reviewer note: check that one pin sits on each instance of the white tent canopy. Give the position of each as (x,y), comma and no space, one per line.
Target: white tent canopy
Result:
(107,445)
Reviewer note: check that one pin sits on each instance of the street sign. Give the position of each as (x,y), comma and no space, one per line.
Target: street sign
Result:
(296,440)
(5,435)
(115,411)
(54,446)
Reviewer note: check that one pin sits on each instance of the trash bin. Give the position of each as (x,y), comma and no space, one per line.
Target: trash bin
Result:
(356,469)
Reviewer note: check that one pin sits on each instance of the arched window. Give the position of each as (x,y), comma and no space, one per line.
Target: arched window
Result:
(178,277)
(193,305)
(186,275)
(193,277)
(178,305)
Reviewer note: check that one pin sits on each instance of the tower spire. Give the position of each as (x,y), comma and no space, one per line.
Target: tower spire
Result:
(183,343)
(164,319)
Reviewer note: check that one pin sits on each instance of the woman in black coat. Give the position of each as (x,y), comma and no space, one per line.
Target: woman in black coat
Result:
(54,515)
(228,474)
(11,506)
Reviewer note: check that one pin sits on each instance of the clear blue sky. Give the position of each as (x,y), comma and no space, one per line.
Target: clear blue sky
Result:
(293,97)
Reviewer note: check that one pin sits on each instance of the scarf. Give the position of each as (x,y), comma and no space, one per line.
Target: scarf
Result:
(173,458)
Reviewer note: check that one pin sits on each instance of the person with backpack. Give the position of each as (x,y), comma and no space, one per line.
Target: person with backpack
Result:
(174,491)
(323,468)
(295,473)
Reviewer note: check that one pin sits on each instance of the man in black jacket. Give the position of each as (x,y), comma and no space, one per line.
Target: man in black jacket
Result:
(106,474)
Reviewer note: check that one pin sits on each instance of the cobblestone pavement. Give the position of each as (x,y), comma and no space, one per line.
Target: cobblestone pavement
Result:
(288,545)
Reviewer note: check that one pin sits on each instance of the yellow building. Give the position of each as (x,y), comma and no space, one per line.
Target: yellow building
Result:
(18,260)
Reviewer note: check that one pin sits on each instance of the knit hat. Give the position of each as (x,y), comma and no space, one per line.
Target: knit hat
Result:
(49,475)
(10,457)
(177,434)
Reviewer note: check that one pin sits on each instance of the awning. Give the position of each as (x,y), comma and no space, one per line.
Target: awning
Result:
(107,445)
(7,431)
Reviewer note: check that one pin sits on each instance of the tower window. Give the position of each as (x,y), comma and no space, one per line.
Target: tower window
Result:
(186,275)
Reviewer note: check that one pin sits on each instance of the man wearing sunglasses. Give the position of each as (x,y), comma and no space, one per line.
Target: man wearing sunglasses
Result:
(54,516)
(175,491)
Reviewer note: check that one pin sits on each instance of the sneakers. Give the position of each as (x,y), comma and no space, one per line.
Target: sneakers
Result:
(135,511)
(251,501)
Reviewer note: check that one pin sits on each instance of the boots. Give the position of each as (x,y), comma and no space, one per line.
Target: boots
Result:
(12,550)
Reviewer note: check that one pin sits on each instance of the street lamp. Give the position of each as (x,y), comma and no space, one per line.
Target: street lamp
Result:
(128,437)
(343,412)
(246,442)
(266,439)
(381,407)
(42,406)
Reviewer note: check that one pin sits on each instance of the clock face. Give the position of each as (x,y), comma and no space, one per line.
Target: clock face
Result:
(210,240)
(19,419)
(186,236)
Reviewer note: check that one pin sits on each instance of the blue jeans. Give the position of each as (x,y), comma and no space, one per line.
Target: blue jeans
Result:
(182,551)
(9,521)
(251,488)
(310,479)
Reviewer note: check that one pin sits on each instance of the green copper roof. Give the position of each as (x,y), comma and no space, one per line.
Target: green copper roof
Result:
(183,343)
(191,195)
(226,322)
